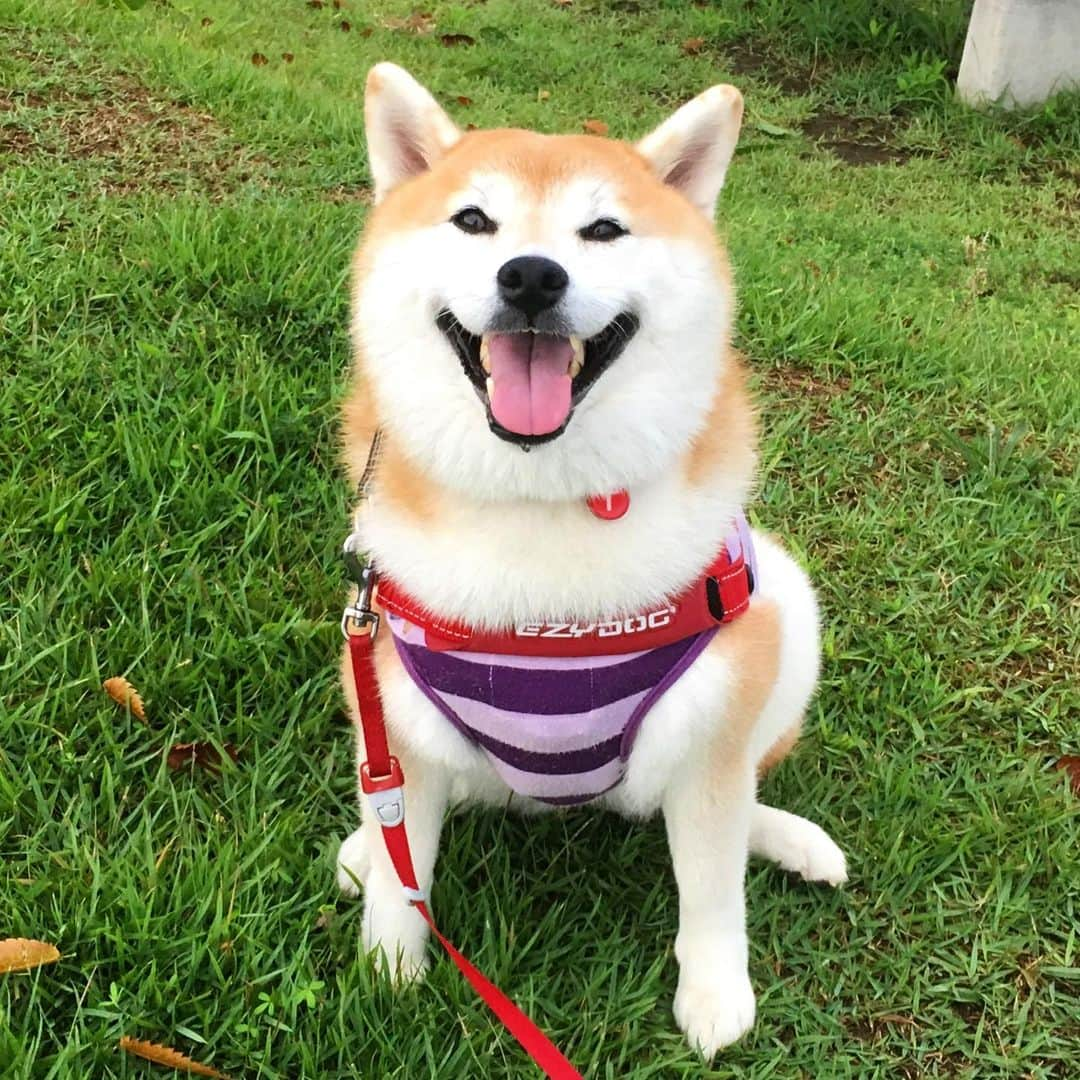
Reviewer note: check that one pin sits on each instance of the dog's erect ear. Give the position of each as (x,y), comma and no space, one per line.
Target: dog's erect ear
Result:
(691,149)
(407,131)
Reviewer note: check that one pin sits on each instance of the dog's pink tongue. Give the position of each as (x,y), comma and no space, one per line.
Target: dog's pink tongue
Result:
(531,395)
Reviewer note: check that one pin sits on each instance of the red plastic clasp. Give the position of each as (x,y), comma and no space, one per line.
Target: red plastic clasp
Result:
(370,784)
(386,794)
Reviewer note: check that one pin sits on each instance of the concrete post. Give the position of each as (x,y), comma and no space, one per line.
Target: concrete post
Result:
(1020,52)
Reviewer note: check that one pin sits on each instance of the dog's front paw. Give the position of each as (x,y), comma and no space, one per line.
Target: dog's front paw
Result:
(394,934)
(713,1013)
(353,863)
(405,969)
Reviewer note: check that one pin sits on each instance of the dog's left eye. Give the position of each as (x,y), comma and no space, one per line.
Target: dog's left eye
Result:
(602,229)
(473,220)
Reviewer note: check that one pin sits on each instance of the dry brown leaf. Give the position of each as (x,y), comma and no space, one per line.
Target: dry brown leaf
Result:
(595,127)
(339,4)
(463,100)
(316,4)
(288,57)
(896,1018)
(206,22)
(163,1055)
(562,3)
(1070,765)
(22,954)
(692,46)
(204,754)
(345,25)
(451,40)
(121,691)
(543,95)
(258,59)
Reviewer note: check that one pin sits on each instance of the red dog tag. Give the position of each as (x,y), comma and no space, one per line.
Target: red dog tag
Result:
(609,507)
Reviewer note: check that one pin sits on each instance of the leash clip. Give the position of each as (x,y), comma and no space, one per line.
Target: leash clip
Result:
(359,615)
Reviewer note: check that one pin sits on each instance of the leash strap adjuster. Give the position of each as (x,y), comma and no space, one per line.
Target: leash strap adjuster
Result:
(385,793)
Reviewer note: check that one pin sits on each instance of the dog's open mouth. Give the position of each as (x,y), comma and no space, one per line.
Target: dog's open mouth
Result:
(531,382)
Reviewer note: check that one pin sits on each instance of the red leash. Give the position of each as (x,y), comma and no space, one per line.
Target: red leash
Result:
(381,779)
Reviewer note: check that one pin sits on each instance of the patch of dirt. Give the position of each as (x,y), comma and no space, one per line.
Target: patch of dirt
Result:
(14,140)
(790,382)
(855,141)
(130,138)
(745,58)
(1066,185)
(10,100)
(1065,277)
(349,193)
(873,1028)
(795,381)
(969,1012)
(1054,661)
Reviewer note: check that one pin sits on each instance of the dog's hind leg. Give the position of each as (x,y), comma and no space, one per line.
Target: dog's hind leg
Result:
(792,842)
(796,844)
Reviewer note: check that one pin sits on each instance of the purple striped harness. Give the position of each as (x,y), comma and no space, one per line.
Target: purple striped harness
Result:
(559,729)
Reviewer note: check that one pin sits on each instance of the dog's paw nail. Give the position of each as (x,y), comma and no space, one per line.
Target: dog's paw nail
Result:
(715,1014)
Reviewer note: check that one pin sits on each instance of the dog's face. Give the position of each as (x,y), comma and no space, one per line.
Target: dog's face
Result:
(561,295)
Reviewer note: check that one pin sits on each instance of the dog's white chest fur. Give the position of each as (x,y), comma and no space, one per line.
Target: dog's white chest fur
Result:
(499,565)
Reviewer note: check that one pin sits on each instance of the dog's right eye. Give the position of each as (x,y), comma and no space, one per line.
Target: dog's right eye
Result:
(473,220)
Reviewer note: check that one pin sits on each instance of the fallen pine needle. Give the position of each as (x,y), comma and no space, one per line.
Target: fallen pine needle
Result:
(22,954)
(172,1059)
(123,693)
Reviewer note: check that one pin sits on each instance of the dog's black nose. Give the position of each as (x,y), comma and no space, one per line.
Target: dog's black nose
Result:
(532,283)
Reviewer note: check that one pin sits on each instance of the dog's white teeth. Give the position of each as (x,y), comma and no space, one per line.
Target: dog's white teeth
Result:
(485,355)
(490,386)
(577,361)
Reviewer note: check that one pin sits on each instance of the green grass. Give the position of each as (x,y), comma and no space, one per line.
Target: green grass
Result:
(175,226)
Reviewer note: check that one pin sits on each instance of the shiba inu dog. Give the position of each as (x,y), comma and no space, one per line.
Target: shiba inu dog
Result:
(542,335)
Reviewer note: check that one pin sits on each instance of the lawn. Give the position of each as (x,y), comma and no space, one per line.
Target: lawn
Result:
(180,188)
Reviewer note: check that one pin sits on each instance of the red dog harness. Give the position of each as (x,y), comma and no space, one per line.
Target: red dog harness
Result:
(720,595)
